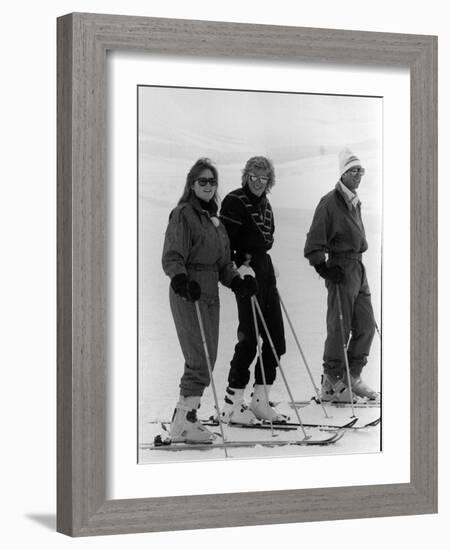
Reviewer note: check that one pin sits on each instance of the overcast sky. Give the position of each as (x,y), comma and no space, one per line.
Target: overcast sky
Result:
(301,133)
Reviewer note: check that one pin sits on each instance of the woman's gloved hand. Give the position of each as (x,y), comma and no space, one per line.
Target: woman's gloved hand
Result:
(244,287)
(187,290)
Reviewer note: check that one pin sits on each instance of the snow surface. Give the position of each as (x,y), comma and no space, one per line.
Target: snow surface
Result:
(304,294)
(302,134)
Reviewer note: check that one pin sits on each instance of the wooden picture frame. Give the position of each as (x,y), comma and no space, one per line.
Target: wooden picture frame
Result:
(83,40)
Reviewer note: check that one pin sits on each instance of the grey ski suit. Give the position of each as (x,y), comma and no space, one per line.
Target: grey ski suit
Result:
(197,244)
(337,230)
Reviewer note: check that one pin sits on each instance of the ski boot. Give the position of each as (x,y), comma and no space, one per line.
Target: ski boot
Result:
(185,426)
(361,388)
(335,390)
(235,410)
(263,409)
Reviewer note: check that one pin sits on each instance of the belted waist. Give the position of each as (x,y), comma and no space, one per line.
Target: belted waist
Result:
(203,267)
(345,255)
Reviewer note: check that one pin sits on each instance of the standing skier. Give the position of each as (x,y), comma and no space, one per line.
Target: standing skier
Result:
(337,231)
(247,215)
(196,256)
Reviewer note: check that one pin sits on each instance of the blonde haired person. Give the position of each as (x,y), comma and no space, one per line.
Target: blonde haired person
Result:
(248,217)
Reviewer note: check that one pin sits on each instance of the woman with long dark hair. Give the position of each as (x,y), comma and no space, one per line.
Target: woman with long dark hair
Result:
(196,257)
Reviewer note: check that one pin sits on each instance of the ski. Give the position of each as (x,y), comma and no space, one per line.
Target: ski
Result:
(214,423)
(368,424)
(365,426)
(337,415)
(285,426)
(357,405)
(351,425)
(280,426)
(161,444)
(362,404)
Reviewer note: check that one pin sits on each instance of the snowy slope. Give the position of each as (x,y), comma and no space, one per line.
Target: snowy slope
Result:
(160,358)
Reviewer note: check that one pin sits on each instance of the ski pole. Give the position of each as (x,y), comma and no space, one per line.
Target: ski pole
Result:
(303,356)
(278,361)
(259,351)
(209,367)
(345,350)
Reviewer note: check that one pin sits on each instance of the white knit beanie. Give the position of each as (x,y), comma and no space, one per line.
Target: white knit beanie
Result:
(348,160)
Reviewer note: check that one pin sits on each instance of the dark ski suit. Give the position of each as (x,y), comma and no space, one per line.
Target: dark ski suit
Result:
(194,245)
(250,224)
(337,230)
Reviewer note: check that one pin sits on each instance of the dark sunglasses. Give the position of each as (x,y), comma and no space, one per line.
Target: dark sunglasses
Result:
(202,182)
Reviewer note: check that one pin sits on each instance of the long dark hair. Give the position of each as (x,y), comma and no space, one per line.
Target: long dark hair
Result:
(200,165)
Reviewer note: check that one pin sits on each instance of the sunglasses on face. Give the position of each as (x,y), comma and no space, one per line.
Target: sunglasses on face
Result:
(355,171)
(202,182)
(263,179)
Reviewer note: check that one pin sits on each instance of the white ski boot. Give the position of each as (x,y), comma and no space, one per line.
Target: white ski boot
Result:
(263,408)
(185,426)
(361,388)
(235,410)
(335,390)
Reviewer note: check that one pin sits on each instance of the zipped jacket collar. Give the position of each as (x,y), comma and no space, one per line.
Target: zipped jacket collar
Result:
(194,201)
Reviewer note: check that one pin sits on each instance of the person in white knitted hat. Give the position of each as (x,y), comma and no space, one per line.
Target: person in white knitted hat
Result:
(334,247)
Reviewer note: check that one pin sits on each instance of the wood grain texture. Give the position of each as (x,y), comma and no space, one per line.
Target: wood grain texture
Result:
(83,40)
(423,274)
(64,276)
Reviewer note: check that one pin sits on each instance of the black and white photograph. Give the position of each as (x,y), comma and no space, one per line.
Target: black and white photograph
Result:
(259,274)
(171,171)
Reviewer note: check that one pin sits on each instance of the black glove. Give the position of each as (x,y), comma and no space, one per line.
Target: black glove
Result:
(334,273)
(244,287)
(188,290)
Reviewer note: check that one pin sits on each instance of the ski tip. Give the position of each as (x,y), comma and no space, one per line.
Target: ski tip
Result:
(351,423)
(373,423)
(359,402)
(338,435)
